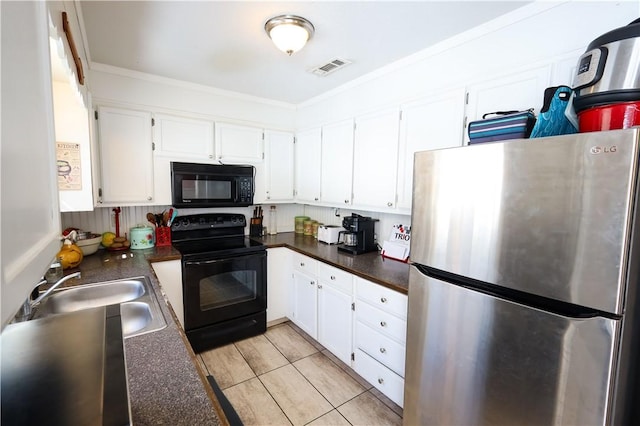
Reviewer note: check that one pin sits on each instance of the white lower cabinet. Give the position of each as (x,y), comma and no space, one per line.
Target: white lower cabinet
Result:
(371,339)
(383,379)
(169,275)
(305,297)
(322,304)
(380,337)
(305,303)
(335,317)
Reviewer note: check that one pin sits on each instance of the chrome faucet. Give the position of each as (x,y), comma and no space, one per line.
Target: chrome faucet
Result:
(26,311)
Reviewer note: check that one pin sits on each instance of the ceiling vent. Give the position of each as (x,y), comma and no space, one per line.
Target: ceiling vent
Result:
(331,66)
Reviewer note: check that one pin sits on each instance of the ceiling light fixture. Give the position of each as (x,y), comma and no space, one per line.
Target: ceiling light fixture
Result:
(289,32)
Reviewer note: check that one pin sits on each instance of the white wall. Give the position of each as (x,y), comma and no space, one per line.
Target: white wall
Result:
(102,219)
(158,94)
(72,125)
(334,216)
(541,33)
(30,224)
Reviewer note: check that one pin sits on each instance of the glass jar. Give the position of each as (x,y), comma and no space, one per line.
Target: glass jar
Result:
(273,221)
(308,227)
(314,227)
(299,221)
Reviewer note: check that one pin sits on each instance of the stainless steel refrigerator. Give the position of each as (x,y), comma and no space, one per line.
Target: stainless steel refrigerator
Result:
(523,293)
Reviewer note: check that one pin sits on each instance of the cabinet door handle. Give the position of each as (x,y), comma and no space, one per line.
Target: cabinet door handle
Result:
(211,156)
(383,299)
(301,263)
(383,324)
(312,282)
(319,285)
(333,277)
(315,199)
(381,381)
(389,204)
(346,201)
(149,198)
(383,350)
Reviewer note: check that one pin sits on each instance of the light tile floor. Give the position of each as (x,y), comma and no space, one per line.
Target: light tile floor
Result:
(285,377)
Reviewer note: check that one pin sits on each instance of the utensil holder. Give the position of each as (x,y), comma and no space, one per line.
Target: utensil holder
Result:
(163,236)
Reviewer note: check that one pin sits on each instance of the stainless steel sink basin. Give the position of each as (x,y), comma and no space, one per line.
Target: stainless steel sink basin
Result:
(139,307)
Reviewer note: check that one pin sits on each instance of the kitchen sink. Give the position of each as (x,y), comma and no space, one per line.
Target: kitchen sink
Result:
(139,308)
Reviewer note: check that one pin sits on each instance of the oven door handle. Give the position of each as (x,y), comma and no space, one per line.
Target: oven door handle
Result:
(223,259)
(206,262)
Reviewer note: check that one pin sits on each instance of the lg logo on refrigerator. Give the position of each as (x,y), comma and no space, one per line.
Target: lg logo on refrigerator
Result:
(603,149)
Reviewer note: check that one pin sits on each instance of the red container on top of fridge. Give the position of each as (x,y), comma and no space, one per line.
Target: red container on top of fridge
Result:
(610,117)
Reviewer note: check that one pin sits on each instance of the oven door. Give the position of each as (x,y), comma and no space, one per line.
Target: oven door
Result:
(220,289)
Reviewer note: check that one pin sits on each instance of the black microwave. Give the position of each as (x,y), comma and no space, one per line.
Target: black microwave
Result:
(211,185)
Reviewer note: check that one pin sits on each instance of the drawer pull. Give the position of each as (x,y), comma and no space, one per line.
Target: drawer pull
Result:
(333,277)
(382,350)
(383,299)
(301,263)
(383,324)
(381,381)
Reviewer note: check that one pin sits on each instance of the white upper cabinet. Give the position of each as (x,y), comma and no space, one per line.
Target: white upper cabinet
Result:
(431,123)
(126,158)
(178,138)
(337,163)
(375,160)
(519,91)
(308,150)
(182,137)
(279,161)
(238,144)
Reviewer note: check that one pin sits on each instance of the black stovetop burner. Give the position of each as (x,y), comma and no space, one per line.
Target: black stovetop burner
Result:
(212,233)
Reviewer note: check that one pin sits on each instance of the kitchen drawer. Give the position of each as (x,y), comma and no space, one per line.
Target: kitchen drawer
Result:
(382,348)
(305,264)
(381,297)
(337,278)
(381,321)
(385,380)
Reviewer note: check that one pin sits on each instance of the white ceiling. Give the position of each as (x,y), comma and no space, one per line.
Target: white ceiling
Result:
(223,44)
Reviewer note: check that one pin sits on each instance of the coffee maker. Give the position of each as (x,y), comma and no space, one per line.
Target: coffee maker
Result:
(359,236)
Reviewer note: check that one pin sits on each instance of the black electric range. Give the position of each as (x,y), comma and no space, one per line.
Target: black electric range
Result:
(224,279)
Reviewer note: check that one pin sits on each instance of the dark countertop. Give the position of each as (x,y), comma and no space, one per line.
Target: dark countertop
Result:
(371,266)
(166,383)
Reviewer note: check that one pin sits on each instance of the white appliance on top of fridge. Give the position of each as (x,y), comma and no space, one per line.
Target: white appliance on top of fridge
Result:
(524,306)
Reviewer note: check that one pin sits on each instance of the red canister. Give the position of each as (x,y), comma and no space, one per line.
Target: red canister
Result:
(610,117)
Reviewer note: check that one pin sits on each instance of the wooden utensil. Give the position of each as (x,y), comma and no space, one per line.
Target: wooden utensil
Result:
(151,218)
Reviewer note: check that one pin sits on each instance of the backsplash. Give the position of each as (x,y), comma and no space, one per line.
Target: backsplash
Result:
(327,216)
(102,219)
